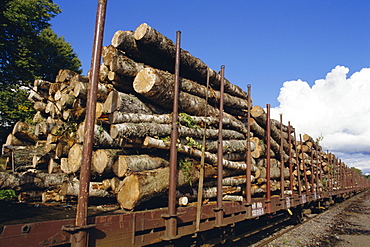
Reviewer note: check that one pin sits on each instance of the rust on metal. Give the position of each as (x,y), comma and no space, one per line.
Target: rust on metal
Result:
(201,169)
(282,197)
(268,156)
(290,158)
(219,209)
(80,237)
(298,170)
(248,148)
(304,166)
(171,218)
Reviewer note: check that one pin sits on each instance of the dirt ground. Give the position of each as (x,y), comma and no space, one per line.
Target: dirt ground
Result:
(344,224)
(352,225)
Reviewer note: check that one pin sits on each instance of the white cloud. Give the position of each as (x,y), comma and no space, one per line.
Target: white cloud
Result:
(337,107)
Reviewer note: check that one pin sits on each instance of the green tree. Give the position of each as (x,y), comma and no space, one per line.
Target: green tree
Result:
(29,50)
(357,170)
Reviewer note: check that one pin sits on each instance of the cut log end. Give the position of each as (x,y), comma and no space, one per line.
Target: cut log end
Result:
(141,31)
(129,193)
(145,80)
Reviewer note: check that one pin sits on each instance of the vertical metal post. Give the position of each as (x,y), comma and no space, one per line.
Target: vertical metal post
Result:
(201,170)
(330,171)
(248,186)
(80,238)
(268,156)
(304,166)
(290,159)
(319,165)
(312,172)
(282,197)
(219,209)
(171,220)
(298,169)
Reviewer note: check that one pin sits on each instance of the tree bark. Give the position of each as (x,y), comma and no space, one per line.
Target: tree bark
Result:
(191,67)
(121,117)
(127,67)
(96,189)
(151,129)
(103,159)
(209,157)
(126,164)
(159,87)
(29,180)
(24,132)
(129,103)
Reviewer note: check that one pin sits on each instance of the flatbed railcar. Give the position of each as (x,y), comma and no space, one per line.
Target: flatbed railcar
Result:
(187,226)
(150,227)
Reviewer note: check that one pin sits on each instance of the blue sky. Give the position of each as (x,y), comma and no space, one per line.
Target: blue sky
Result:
(262,43)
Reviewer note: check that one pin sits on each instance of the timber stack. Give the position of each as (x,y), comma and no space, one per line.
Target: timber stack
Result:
(133,126)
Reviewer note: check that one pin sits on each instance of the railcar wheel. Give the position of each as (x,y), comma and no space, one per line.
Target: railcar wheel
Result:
(297,217)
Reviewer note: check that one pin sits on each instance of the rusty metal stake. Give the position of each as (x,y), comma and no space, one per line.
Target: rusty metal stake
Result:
(312,172)
(80,238)
(249,155)
(298,169)
(219,209)
(304,166)
(268,156)
(290,159)
(171,217)
(201,170)
(282,196)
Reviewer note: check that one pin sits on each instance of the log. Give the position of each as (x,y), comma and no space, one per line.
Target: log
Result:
(38,117)
(127,67)
(121,83)
(96,189)
(41,84)
(54,166)
(39,106)
(191,67)
(30,180)
(142,186)
(230,146)
(124,40)
(14,141)
(259,115)
(23,131)
(126,164)
(237,180)
(102,138)
(64,75)
(129,103)
(43,129)
(74,160)
(273,163)
(274,172)
(62,148)
(184,119)
(151,129)
(211,192)
(209,157)
(81,89)
(158,87)
(34,96)
(102,161)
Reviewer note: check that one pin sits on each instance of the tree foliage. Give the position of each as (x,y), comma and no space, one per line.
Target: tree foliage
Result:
(29,50)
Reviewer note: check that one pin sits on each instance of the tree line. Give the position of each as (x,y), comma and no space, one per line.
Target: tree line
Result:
(30,50)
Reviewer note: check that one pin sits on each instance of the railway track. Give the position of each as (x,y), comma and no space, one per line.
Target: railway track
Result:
(324,222)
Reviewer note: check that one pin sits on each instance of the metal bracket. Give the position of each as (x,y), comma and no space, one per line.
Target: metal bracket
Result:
(72,228)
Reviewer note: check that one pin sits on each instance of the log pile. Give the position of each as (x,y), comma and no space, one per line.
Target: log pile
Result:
(133,126)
